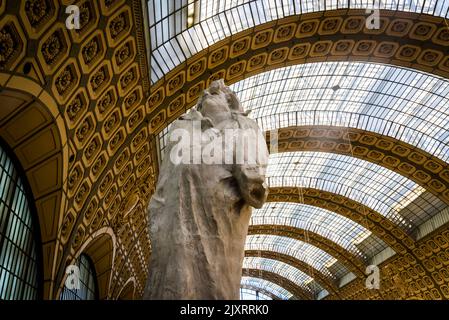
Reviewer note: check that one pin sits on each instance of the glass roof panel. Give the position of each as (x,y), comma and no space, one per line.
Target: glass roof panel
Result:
(188,26)
(328,224)
(317,258)
(397,102)
(285,270)
(407,105)
(370,184)
(266,285)
(252,294)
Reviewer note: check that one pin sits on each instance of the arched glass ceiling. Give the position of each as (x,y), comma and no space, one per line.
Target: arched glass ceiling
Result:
(317,258)
(267,286)
(285,270)
(404,104)
(407,105)
(253,294)
(181,28)
(328,224)
(370,184)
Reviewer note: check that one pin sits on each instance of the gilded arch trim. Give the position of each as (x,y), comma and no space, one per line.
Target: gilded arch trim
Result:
(367,146)
(323,280)
(316,39)
(130,282)
(121,258)
(352,263)
(101,248)
(30,124)
(417,165)
(383,228)
(288,285)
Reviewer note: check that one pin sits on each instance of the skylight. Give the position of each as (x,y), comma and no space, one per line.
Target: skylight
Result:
(266,285)
(174,39)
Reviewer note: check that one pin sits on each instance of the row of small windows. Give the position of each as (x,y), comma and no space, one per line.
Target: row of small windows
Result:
(19,263)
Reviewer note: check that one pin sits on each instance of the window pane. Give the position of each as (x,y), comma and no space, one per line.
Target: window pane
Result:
(236,16)
(87,281)
(18,265)
(266,286)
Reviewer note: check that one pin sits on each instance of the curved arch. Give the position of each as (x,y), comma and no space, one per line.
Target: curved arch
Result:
(263,291)
(128,290)
(340,230)
(324,281)
(400,190)
(392,101)
(30,124)
(304,251)
(385,230)
(279,43)
(288,285)
(100,247)
(236,70)
(210,27)
(351,262)
(417,165)
(307,283)
(120,266)
(393,235)
(267,286)
(374,186)
(19,231)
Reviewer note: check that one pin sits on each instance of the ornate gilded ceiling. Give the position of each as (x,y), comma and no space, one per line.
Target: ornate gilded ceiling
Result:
(252,58)
(175,40)
(97,156)
(82,112)
(410,40)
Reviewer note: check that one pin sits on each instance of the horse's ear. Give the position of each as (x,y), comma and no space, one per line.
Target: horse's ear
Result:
(221,83)
(234,102)
(199,103)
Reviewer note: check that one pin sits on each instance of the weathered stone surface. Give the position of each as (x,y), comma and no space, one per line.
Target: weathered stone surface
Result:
(199,214)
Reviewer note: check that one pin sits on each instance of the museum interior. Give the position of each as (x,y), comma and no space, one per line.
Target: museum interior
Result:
(356,91)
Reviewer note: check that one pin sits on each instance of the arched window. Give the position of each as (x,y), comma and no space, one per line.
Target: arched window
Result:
(87,280)
(19,267)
